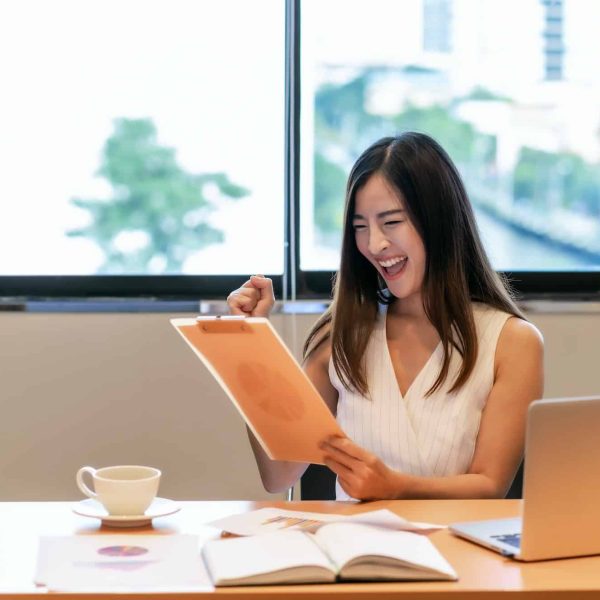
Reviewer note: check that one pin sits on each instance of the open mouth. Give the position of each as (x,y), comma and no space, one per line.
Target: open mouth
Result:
(393,266)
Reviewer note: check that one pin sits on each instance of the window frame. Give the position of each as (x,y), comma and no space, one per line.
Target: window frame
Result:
(163,287)
(551,285)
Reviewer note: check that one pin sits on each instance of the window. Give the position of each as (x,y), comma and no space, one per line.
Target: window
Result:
(141,137)
(522,129)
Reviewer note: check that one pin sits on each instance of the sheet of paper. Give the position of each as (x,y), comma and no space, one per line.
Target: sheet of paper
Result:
(121,563)
(266,520)
(389,520)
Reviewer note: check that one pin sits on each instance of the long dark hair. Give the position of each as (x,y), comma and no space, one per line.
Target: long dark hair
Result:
(457,269)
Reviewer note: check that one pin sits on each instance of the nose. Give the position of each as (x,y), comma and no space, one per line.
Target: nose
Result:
(378,242)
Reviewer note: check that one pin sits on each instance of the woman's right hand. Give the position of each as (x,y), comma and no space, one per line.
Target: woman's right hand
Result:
(254,299)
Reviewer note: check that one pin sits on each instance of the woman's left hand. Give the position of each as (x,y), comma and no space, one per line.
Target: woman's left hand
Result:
(361,474)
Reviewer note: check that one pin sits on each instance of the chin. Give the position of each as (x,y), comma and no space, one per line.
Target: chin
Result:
(397,293)
(400,292)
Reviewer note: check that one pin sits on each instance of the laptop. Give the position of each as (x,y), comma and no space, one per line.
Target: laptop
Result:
(560,514)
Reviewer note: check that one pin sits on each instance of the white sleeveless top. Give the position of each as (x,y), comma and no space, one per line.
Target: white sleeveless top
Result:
(415,434)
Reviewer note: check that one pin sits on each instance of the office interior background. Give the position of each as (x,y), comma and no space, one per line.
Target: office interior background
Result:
(157,153)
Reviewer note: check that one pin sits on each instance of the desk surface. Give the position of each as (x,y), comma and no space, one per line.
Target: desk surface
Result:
(482,572)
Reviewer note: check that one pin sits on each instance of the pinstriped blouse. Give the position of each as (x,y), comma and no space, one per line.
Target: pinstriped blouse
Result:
(415,434)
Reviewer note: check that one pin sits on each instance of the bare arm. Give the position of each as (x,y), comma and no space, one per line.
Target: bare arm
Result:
(499,449)
(276,475)
(255,298)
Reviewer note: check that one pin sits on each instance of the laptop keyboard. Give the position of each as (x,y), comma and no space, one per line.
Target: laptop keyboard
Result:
(512,539)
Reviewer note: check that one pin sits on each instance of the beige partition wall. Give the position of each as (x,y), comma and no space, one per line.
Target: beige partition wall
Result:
(105,389)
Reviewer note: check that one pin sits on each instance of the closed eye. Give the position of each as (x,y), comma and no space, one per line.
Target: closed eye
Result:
(393,222)
(359,227)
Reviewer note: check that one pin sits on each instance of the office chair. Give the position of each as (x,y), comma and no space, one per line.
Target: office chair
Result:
(515,491)
(318,483)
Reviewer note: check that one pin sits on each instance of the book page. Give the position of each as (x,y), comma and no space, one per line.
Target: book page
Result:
(353,543)
(291,554)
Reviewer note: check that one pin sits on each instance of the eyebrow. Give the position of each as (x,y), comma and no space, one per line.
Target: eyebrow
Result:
(381,215)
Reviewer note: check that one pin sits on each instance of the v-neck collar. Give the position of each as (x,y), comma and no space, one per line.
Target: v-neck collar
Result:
(421,372)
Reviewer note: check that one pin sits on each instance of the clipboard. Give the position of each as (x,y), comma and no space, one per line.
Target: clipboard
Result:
(275,397)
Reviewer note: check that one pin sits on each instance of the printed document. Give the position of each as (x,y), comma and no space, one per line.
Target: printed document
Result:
(125,563)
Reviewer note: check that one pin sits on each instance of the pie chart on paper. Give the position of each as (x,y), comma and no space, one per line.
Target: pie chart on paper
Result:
(122,551)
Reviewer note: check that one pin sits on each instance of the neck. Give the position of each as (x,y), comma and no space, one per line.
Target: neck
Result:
(411,307)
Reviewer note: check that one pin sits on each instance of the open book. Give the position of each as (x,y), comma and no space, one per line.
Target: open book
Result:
(337,551)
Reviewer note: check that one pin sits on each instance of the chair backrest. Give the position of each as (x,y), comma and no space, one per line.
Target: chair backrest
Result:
(516,487)
(318,483)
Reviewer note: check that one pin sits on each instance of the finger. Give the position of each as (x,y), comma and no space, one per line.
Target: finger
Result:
(346,485)
(243,299)
(266,297)
(340,469)
(264,285)
(339,456)
(234,303)
(245,291)
(247,303)
(347,446)
(234,309)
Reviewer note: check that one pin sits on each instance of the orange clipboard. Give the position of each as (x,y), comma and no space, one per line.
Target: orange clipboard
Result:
(264,381)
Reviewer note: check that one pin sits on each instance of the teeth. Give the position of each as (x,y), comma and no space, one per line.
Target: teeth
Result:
(390,262)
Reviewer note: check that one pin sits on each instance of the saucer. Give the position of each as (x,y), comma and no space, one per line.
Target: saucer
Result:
(160,507)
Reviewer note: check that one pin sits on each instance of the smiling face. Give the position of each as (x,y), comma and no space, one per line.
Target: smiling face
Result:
(386,237)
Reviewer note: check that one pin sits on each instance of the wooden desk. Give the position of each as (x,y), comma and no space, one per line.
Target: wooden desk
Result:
(483,573)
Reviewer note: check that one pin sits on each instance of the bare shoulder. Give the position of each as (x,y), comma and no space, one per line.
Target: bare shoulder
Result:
(519,340)
(320,355)
(519,331)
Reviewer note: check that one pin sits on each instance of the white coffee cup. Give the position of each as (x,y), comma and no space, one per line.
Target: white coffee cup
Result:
(122,490)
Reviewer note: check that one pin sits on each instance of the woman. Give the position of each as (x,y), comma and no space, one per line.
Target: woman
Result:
(423,356)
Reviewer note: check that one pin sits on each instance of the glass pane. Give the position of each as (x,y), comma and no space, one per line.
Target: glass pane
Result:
(141,137)
(510,88)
